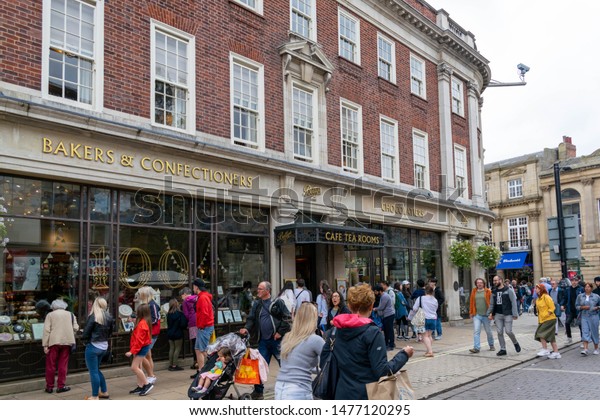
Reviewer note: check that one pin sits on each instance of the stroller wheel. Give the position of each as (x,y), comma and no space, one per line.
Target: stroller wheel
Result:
(245,396)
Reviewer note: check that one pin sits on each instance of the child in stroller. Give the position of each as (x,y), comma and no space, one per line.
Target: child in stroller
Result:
(206,378)
(217,388)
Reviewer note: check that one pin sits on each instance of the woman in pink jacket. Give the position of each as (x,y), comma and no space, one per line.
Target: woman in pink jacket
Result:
(188,303)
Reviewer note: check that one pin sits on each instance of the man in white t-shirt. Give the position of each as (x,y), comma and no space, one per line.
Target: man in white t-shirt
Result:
(301,293)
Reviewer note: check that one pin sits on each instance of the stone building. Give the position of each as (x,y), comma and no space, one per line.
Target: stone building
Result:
(521,192)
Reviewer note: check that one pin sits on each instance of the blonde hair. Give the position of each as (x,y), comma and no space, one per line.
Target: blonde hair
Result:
(361,298)
(99,310)
(304,325)
(144,294)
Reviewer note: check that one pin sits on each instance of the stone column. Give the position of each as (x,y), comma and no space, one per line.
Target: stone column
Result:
(589,219)
(283,266)
(476,154)
(446,143)
(536,245)
(497,227)
(450,279)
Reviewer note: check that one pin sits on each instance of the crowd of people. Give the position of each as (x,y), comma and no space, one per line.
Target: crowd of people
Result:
(298,331)
(555,305)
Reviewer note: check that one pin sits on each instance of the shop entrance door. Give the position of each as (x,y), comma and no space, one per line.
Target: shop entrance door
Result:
(306,267)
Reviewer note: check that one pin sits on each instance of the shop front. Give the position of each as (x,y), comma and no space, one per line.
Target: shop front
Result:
(346,255)
(76,242)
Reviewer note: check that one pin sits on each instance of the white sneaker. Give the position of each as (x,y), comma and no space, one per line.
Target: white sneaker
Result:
(152,380)
(569,340)
(596,351)
(584,352)
(554,355)
(543,352)
(581,346)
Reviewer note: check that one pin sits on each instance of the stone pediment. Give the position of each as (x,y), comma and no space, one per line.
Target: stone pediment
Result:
(513,172)
(306,60)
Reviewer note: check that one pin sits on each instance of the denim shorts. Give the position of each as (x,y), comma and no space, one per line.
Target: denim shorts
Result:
(430,324)
(144,351)
(203,338)
(154,338)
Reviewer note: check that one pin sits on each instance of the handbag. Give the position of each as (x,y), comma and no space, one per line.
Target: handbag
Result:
(74,345)
(418,320)
(392,387)
(108,357)
(323,386)
(247,372)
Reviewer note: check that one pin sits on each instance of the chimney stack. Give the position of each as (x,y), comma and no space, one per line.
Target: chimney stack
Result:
(566,149)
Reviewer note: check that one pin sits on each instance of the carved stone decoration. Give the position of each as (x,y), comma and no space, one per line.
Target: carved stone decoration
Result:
(306,61)
(444,71)
(587,181)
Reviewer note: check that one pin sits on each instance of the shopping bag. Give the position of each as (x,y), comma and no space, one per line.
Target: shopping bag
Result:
(392,387)
(247,372)
(213,337)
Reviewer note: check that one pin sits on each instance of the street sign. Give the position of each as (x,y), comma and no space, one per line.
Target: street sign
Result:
(571,234)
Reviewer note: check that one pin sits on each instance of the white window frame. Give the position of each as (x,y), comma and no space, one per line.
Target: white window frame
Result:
(258,5)
(458,102)
(311,17)
(461,174)
(356,42)
(314,92)
(421,137)
(156,26)
(392,154)
(236,59)
(381,60)
(358,144)
(518,227)
(97,85)
(515,188)
(420,80)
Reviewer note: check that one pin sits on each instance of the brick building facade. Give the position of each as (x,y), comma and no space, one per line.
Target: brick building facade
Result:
(153,142)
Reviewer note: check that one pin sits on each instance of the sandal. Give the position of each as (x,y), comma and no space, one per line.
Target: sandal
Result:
(89,397)
(104,396)
(428,355)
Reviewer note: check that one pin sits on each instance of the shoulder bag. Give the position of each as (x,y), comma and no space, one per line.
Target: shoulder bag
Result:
(419,319)
(323,385)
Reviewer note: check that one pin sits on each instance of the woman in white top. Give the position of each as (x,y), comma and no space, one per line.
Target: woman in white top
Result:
(322,304)
(300,350)
(429,304)
(287,295)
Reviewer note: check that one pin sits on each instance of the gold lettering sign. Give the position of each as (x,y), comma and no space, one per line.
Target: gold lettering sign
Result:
(401,210)
(157,165)
(311,191)
(352,238)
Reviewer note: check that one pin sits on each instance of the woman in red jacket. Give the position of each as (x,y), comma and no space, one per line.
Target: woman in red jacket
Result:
(139,346)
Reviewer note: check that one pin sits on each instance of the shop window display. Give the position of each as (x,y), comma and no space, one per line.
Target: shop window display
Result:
(39,263)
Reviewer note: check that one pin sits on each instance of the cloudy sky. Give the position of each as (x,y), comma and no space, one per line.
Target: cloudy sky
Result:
(560,42)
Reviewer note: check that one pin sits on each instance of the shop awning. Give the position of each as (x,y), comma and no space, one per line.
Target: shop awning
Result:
(310,233)
(513,260)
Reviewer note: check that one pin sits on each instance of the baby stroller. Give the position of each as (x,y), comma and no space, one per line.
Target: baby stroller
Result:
(219,387)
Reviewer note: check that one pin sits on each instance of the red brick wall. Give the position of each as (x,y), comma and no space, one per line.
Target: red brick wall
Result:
(21,42)
(221,26)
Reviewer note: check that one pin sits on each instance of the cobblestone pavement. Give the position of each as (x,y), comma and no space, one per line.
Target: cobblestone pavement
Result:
(452,367)
(573,377)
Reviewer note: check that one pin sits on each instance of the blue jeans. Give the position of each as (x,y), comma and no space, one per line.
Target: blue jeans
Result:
(478,320)
(93,356)
(267,348)
(438,325)
(589,328)
(292,391)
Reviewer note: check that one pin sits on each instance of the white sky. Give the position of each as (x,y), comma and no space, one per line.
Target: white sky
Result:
(560,42)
